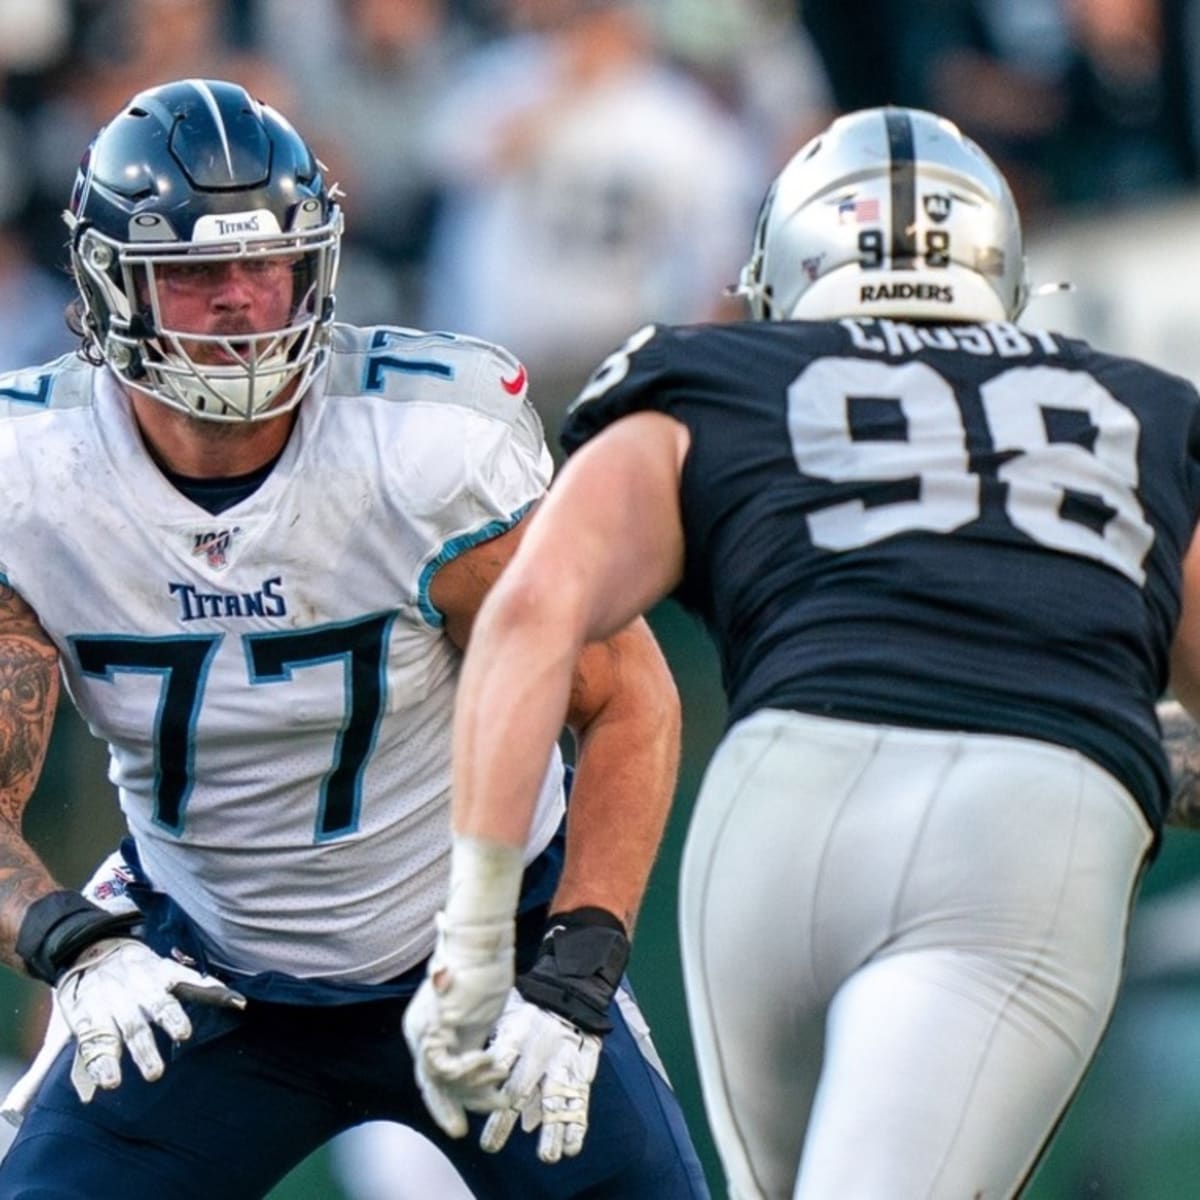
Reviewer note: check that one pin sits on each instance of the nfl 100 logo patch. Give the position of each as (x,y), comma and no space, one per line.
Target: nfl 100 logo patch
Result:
(214,545)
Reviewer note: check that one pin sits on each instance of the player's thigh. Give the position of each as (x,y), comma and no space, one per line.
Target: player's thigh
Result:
(817,846)
(383,1160)
(222,1121)
(934,1089)
(985,1005)
(637,1147)
(755,1006)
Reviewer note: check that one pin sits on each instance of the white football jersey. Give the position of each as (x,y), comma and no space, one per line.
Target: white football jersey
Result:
(274,682)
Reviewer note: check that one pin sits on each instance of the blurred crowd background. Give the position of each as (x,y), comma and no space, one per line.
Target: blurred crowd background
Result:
(551,174)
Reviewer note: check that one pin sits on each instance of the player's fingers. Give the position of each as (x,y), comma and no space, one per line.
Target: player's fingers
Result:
(99,1053)
(564,1119)
(214,993)
(531,1114)
(495,1132)
(449,1115)
(474,1070)
(573,1135)
(550,1142)
(139,1040)
(168,1014)
(523,1080)
(81,1081)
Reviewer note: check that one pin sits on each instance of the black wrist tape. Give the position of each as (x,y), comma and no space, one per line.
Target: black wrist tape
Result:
(579,965)
(58,927)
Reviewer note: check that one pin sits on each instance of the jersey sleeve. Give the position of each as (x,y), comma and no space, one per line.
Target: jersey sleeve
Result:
(65,382)
(473,459)
(636,377)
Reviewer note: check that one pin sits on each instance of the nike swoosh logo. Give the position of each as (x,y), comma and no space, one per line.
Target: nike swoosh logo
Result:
(514,385)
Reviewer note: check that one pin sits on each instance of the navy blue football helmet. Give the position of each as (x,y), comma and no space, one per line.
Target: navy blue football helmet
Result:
(199,169)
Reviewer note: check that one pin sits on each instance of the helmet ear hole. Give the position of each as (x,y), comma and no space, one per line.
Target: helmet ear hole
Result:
(934,211)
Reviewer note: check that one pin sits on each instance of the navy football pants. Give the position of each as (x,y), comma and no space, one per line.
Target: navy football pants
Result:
(251,1095)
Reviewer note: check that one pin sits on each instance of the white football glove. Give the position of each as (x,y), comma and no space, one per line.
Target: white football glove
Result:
(452,1015)
(108,998)
(550,1064)
(107,889)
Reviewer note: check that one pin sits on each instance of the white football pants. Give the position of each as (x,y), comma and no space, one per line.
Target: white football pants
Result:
(901,948)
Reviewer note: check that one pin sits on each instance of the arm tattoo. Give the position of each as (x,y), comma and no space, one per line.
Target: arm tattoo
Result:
(28,696)
(1181,740)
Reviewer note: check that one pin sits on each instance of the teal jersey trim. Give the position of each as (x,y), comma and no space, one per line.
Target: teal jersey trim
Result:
(451,550)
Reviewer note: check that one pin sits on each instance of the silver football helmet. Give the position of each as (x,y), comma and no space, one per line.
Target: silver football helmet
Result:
(890,212)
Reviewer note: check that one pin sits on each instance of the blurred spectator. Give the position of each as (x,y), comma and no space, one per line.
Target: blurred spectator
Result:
(132,44)
(999,68)
(589,187)
(857,43)
(33,34)
(757,57)
(376,79)
(303,49)
(39,297)
(1129,137)
(34,38)
(121,47)
(1071,96)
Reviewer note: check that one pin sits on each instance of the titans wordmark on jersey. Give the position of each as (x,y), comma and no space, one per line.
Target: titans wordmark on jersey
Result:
(972,527)
(274,681)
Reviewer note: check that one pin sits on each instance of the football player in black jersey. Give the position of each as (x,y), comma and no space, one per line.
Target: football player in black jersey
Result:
(944,559)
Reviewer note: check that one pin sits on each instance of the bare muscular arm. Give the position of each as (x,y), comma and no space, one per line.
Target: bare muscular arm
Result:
(606,544)
(623,711)
(28,697)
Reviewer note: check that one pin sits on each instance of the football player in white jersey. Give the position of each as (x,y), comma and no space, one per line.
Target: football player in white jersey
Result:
(253,542)
(950,564)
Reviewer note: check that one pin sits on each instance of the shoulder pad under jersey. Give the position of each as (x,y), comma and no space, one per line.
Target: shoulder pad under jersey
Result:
(64,382)
(414,365)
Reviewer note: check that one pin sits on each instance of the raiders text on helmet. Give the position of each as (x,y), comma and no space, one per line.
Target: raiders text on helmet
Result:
(200,172)
(890,212)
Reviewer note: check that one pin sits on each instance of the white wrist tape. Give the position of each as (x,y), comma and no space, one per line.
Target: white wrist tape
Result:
(485,881)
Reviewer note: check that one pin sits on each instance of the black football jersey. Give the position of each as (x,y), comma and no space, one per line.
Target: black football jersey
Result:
(971,527)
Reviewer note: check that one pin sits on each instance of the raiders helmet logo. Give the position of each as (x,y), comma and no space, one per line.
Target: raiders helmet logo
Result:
(937,206)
